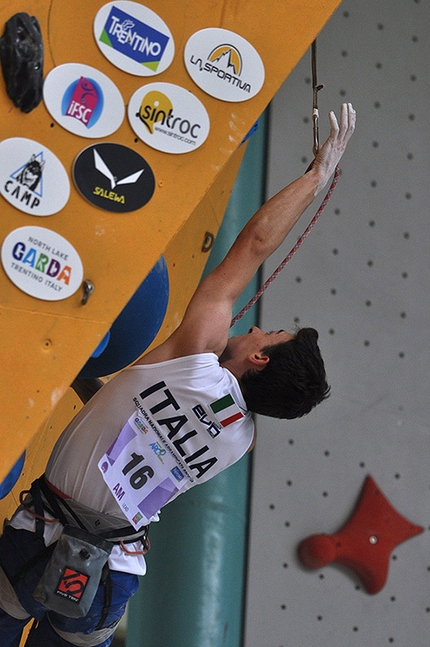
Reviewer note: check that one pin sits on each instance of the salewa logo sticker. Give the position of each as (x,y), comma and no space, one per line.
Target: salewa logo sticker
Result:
(224,64)
(133,38)
(32,178)
(168,118)
(113,177)
(114,181)
(83,100)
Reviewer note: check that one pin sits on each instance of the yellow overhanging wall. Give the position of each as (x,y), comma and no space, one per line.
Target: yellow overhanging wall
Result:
(45,343)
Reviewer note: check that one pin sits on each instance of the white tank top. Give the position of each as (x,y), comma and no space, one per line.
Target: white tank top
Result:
(195,407)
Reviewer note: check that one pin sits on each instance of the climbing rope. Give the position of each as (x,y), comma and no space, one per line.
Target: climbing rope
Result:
(311,225)
(280,267)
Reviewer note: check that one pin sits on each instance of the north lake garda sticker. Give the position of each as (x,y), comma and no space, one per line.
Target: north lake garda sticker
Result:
(32,178)
(113,177)
(83,100)
(168,118)
(134,38)
(224,64)
(42,263)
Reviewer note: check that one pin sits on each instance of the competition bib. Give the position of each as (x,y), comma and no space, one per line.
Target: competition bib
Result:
(141,471)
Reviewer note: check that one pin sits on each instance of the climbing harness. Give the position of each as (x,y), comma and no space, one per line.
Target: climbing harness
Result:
(315,116)
(77,563)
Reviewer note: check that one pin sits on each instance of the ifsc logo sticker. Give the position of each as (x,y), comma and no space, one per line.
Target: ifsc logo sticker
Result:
(224,64)
(134,38)
(83,100)
(32,178)
(168,118)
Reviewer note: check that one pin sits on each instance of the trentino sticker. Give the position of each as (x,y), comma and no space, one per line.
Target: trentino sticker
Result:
(83,100)
(134,38)
(224,64)
(32,178)
(113,177)
(42,263)
(168,118)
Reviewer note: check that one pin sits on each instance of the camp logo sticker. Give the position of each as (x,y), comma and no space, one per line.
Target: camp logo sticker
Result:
(32,178)
(42,263)
(224,64)
(134,38)
(168,118)
(83,100)
(113,177)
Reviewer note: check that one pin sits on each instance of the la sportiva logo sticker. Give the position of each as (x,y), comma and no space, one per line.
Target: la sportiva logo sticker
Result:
(134,38)
(113,177)
(224,64)
(41,263)
(232,56)
(83,100)
(32,178)
(168,118)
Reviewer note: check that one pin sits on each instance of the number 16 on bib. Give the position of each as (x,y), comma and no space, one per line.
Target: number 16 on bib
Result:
(140,472)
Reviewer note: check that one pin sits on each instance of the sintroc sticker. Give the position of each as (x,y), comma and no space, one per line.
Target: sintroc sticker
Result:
(32,178)
(134,38)
(224,64)
(42,263)
(168,118)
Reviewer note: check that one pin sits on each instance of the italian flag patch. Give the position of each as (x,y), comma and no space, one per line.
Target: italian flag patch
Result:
(226,410)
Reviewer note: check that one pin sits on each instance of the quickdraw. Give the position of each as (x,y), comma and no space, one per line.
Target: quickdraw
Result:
(315,89)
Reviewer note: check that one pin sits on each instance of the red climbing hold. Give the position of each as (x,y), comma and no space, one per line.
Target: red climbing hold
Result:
(365,542)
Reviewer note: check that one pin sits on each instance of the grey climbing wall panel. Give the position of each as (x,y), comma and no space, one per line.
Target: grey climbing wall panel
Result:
(362,279)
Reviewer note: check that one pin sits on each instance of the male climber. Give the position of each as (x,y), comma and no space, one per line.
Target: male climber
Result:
(176,418)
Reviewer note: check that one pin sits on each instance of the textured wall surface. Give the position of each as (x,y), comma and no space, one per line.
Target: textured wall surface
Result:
(40,351)
(361,279)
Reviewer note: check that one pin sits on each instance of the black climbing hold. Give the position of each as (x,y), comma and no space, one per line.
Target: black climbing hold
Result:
(21,56)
